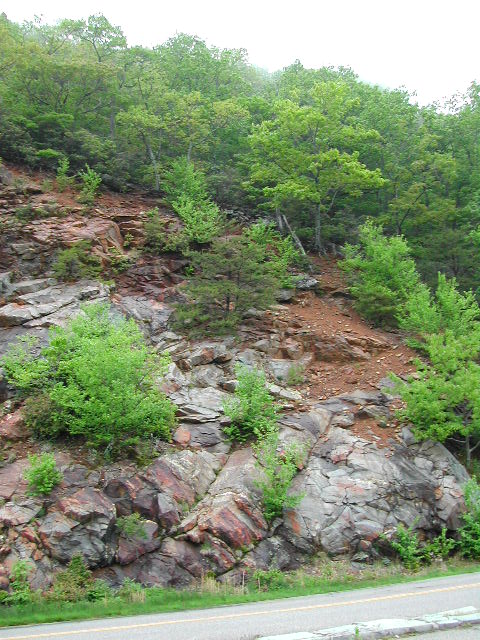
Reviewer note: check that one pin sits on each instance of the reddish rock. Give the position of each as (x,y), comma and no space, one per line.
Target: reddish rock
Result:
(12,427)
(130,549)
(86,504)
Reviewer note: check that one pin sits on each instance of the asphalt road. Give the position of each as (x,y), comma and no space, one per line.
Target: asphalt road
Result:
(248,621)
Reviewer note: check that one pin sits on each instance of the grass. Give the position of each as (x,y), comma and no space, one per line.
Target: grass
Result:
(209,593)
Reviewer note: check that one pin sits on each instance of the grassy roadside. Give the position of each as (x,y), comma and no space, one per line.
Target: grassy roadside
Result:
(210,594)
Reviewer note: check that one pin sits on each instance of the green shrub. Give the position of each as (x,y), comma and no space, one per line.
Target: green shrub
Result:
(119,262)
(43,474)
(28,212)
(382,274)
(296,375)
(203,220)
(440,547)
(77,262)
(279,252)
(73,583)
(91,182)
(182,179)
(227,280)
(278,469)
(407,546)
(96,379)
(252,410)
(131,591)
(63,180)
(270,580)
(132,526)
(21,592)
(469,544)
(159,236)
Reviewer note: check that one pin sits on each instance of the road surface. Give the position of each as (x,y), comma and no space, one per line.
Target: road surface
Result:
(248,621)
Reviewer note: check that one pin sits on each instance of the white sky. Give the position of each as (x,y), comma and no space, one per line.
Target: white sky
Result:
(428,46)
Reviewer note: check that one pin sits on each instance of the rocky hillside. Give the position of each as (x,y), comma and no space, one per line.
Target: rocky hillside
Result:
(362,475)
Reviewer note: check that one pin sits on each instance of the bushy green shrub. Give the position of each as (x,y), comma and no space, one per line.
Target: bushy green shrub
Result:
(296,375)
(382,274)
(96,379)
(278,470)
(21,592)
(413,553)
(203,220)
(77,262)
(119,262)
(76,583)
(440,547)
(270,580)
(280,252)
(407,546)
(43,474)
(186,191)
(447,311)
(182,179)
(252,410)
(91,182)
(469,544)
(160,236)
(225,282)
(132,526)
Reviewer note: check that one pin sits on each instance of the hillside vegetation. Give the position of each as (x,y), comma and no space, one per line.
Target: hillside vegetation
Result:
(319,146)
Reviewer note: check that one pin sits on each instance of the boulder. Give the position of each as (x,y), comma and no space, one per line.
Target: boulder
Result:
(352,492)
(81,523)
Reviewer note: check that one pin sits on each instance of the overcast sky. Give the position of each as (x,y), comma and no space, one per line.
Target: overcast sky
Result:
(428,46)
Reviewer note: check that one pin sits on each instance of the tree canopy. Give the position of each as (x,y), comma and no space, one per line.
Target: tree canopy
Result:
(317,145)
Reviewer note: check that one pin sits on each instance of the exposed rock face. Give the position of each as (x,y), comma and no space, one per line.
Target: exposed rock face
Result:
(200,498)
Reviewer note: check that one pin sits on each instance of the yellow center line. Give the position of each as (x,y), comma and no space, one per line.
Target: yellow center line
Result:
(232,616)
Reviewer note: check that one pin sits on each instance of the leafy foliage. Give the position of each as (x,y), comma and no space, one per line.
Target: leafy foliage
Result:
(76,583)
(132,526)
(43,474)
(278,469)
(443,402)
(383,274)
(96,379)
(227,280)
(413,553)
(470,531)
(63,180)
(21,592)
(77,262)
(252,410)
(91,182)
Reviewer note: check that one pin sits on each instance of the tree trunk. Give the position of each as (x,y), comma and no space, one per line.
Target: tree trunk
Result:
(153,160)
(468,452)
(318,230)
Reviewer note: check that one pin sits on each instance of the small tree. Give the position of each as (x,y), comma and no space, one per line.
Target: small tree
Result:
(382,274)
(227,280)
(63,179)
(443,402)
(91,182)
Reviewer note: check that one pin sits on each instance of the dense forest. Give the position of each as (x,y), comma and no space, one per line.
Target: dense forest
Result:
(319,146)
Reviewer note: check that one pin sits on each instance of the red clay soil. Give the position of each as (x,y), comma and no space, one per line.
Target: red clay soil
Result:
(329,315)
